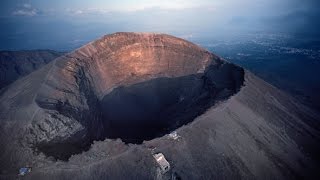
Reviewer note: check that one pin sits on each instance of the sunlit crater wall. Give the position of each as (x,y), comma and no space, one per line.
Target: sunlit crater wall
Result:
(123,59)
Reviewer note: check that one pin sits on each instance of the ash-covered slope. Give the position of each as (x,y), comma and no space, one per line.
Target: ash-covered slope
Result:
(138,87)
(16,64)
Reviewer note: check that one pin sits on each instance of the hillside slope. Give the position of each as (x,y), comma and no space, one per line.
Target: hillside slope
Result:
(16,64)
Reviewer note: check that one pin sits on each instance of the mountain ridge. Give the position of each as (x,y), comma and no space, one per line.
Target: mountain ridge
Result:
(16,64)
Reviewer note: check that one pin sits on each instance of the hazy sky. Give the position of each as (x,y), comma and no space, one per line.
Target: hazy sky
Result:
(77,7)
(66,24)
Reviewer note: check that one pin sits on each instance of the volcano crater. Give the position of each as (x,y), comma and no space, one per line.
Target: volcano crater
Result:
(137,89)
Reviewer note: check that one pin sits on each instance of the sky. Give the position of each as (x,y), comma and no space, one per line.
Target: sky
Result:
(65,25)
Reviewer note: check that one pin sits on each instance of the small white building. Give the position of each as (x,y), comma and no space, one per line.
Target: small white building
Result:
(174,135)
(163,163)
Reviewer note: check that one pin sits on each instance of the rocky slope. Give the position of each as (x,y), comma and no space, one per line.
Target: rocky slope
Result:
(63,119)
(16,64)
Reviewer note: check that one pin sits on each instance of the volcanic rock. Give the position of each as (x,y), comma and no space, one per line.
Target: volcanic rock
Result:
(101,111)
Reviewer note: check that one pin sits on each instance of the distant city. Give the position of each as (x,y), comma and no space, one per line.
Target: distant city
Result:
(287,61)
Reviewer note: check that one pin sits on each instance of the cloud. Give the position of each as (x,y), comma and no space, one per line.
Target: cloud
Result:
(163,5)
(74,11)
(28,6)
(25,10)
(77,12)
(87,11)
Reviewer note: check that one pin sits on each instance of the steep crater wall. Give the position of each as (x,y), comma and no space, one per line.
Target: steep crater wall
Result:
(134,87)
(156,107)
